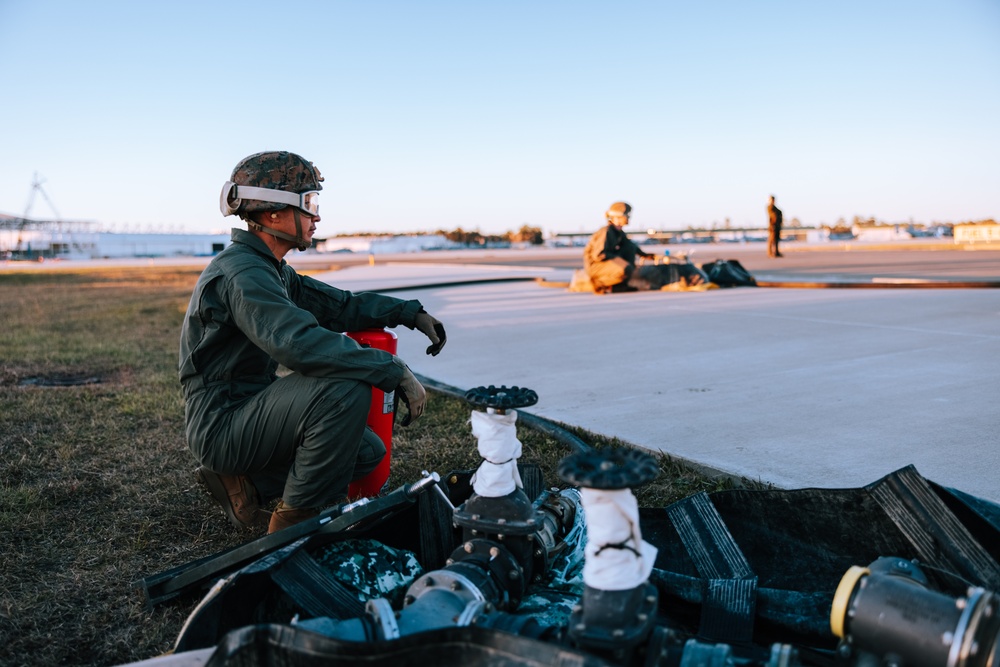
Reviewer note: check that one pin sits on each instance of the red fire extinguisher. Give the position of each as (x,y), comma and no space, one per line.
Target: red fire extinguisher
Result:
(380,416)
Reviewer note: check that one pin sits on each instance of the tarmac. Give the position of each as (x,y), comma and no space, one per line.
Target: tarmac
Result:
(828,388)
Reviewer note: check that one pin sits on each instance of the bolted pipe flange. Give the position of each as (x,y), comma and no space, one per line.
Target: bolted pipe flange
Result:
(609,469)
(501,398)
(495,570)
(614,620)
(383,618)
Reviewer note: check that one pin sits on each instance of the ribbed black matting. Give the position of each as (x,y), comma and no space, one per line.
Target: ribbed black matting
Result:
(730,600)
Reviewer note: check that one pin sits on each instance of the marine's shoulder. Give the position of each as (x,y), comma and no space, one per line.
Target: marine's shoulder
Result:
(239,256)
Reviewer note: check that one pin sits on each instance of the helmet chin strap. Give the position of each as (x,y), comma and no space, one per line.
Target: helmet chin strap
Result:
(300,243)
(300,240)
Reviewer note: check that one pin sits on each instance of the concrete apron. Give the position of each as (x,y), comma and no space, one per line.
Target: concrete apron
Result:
(799,388)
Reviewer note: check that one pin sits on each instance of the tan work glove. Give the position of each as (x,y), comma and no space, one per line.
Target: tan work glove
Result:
(433,329)
(413,394)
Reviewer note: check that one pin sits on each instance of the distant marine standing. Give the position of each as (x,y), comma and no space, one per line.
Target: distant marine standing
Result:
(773,228)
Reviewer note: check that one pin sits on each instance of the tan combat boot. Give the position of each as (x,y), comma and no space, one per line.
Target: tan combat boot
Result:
(284,516)
(236,495)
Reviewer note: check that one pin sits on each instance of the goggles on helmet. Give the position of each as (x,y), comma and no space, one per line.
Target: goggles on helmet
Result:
(232,194)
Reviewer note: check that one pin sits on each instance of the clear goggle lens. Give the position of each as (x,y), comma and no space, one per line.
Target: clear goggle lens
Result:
(309,202)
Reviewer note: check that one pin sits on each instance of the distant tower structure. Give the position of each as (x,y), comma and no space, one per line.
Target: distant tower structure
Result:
(17,234)
(36,186)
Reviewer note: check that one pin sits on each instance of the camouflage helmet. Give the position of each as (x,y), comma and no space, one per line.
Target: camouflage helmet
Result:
(274,170)
(618,209)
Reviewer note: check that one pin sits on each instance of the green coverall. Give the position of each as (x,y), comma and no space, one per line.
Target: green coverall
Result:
(302,436)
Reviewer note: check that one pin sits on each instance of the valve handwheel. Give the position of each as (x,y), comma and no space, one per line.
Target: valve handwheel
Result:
(502,397)
(609,469)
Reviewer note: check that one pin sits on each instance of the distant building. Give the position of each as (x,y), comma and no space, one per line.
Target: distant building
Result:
(977,233)
(882,233)
(386,245)
(57,244)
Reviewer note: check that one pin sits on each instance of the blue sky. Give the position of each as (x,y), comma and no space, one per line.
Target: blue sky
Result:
(491,115)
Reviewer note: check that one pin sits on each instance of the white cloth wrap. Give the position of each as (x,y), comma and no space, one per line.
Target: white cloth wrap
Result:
(497,476)
(613,518)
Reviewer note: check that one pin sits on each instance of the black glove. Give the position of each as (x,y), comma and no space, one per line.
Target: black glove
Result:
(433,329)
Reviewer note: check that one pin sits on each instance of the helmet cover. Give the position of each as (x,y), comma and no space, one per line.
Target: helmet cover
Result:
(619,208)
(275,170)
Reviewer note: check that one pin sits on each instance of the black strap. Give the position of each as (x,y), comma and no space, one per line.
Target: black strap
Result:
(621,546)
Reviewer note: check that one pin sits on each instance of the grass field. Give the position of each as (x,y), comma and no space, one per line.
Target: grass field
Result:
(96,483)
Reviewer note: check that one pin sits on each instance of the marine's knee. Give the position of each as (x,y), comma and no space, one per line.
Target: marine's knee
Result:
(370,454)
